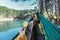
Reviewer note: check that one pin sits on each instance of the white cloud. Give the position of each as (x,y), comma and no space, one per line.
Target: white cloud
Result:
(16,5)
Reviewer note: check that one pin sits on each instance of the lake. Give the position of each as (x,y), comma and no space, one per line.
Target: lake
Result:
(6,25)
(8,29)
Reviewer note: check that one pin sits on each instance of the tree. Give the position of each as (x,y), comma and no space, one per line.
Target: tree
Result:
(43,5)
(57,10)
(40,5)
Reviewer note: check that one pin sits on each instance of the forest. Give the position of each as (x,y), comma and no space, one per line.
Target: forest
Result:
(13,13)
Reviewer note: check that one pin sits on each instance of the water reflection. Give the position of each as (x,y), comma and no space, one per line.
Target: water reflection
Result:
(1,23)
(8,35)
(6,25)
(8,29)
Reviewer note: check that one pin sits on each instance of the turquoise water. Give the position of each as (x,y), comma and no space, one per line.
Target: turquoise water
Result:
(9,29)
(8,35)
(6,25)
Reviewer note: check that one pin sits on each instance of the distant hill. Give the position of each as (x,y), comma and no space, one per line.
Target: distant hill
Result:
(8,13)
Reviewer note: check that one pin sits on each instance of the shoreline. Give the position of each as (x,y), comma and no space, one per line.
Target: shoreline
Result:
(6,19)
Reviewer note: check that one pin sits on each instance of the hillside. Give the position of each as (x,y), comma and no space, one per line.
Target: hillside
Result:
(12,13)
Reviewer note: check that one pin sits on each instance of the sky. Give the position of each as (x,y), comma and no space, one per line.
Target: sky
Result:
(17,5)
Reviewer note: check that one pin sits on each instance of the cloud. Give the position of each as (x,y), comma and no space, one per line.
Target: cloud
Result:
(20,0)
(17,5)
